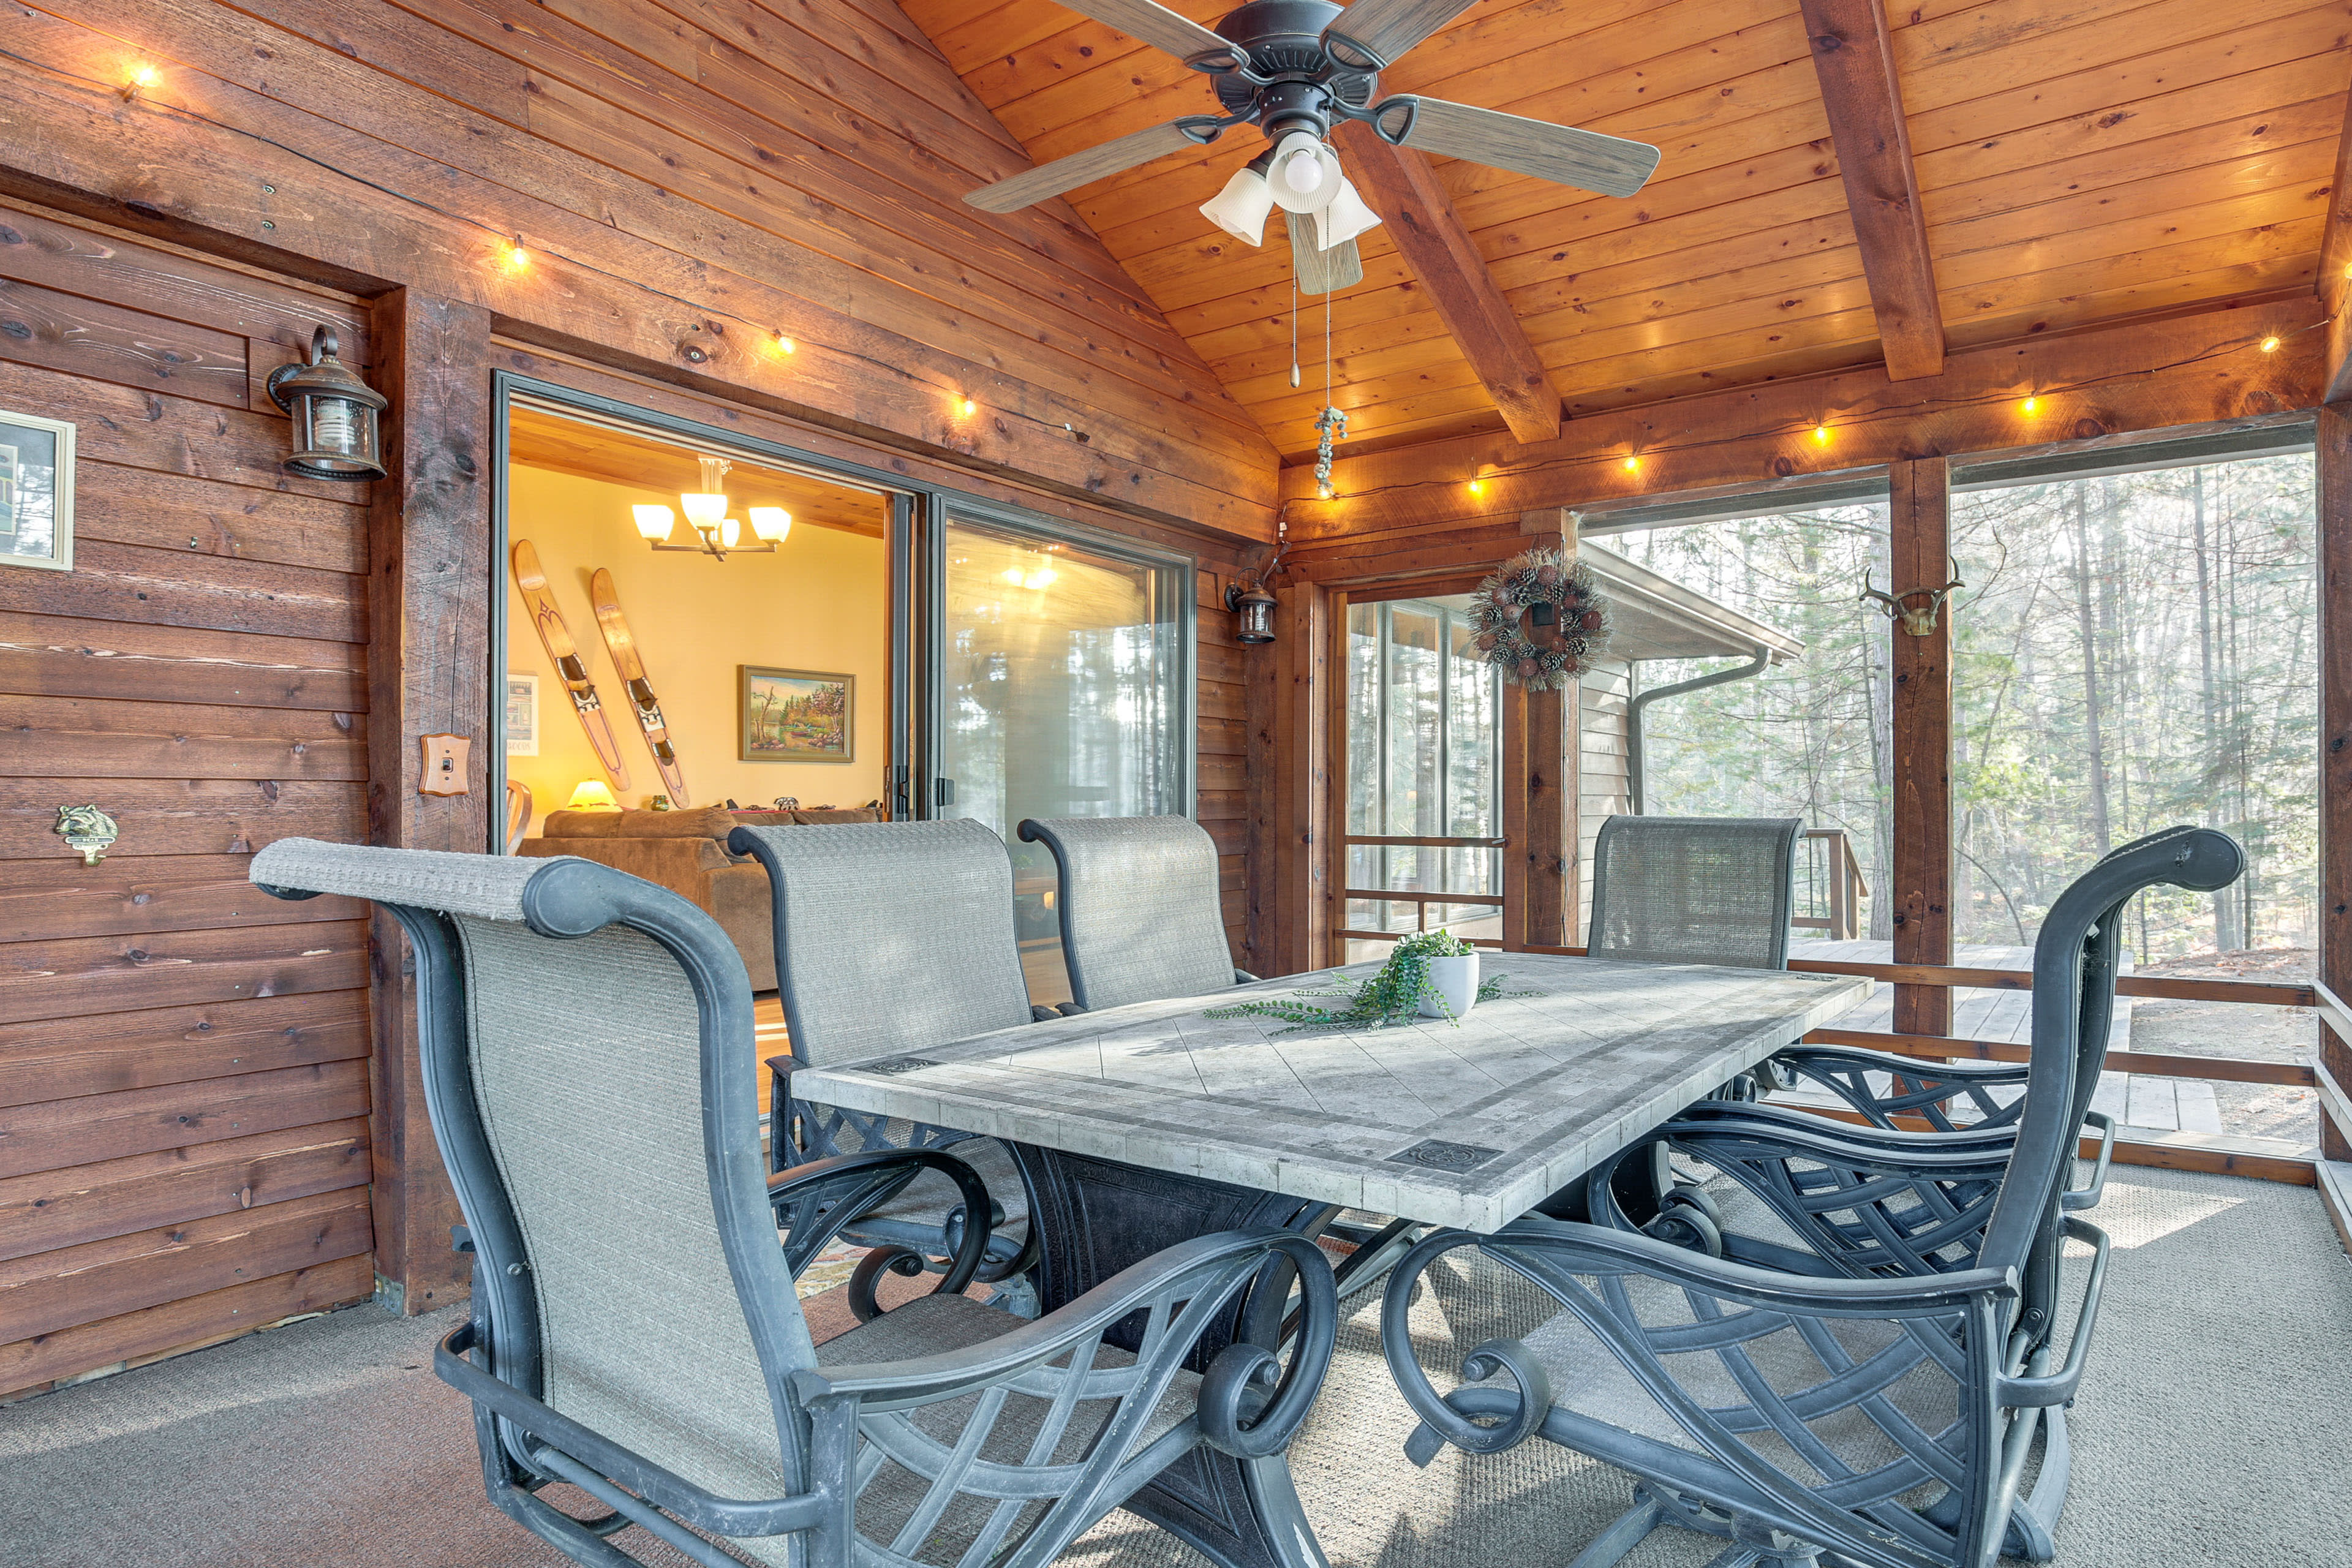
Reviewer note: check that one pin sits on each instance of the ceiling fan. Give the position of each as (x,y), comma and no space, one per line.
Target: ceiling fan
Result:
(1294,68)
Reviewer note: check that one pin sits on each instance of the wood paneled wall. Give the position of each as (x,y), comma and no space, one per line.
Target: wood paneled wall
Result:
(689,180)
(184,1062)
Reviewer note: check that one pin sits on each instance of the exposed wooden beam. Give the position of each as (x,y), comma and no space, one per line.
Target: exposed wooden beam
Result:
(1865,100)
(1412,201)
(2201,369)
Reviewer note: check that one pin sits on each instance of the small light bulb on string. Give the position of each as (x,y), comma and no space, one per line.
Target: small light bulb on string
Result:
(1325,491)
(2270,345)
(1632,465)
(1477,487)
(970,408)
(785,345)
(515,256)
(1821,435)
(2030,407)
(140,80)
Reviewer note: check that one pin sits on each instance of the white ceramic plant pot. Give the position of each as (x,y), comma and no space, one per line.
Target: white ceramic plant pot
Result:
(1457,980)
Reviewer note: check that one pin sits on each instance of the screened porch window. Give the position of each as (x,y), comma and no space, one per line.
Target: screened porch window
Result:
(1425,758)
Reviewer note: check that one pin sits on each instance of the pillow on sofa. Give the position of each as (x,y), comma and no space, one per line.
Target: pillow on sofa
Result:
(582,825)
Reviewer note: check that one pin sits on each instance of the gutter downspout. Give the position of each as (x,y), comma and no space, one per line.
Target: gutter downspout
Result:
(1635,781)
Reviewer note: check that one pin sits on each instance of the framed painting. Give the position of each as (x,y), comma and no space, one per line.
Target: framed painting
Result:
(37,486)
(792,715)
(522,715)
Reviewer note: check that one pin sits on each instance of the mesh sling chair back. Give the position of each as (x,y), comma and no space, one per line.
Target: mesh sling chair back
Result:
(1887,1420)
(1695,889)
(892,937)
(1140,907)
(634,1328)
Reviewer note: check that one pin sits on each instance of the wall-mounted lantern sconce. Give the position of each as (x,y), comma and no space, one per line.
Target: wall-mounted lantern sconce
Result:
(1920,620)
(1253,609)
(334,415)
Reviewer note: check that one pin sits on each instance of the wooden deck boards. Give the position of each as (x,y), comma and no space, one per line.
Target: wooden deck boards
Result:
(2138,1100)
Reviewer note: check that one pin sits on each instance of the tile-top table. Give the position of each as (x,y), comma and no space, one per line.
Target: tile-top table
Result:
(1469,1124)
(1139,1127)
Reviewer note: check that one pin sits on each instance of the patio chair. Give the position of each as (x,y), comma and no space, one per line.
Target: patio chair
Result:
(634,1328)
(1139,909)
(892,937)
(1695,889)
(1885,1418)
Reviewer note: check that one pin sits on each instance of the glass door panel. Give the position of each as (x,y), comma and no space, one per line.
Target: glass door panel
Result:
(1065,685)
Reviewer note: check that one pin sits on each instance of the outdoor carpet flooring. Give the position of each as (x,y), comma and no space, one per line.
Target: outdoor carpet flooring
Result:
(2215,1426)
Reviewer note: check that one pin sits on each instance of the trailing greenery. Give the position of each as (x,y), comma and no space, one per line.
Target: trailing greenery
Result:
(1392,996)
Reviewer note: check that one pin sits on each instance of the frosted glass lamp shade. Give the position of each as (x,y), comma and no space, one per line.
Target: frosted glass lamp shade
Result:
(654,522)
(730,530)
(705,509)
(1345,218)
(771,523)
(592,795)
(1305,175)
(1241,208)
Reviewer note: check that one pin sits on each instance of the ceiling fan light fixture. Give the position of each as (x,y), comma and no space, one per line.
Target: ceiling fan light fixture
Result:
(1308,173)
(1345,218)
(1241,209)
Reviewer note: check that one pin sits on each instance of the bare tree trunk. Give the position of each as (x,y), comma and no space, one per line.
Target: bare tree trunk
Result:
(2092,739)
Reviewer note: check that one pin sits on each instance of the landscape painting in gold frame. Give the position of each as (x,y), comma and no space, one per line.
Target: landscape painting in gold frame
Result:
(792,715)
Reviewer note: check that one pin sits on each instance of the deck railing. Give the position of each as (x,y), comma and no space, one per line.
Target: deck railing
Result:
(1420,899)
(1845,889)
(2272,1159)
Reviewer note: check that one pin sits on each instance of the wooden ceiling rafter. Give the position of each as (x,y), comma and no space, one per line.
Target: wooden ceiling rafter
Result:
(1864,97)
(1420,219)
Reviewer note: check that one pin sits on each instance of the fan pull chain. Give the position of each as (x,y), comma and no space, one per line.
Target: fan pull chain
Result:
(1294,321)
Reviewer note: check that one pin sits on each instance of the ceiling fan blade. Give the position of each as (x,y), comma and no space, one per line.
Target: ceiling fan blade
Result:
(1069,174)
(1371,34)
(1321,271)
(1610,165)
(1148,23)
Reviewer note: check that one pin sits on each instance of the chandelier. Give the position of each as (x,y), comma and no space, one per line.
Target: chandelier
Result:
(716,533)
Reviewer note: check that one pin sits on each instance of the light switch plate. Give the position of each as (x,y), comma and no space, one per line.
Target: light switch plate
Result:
(445,764)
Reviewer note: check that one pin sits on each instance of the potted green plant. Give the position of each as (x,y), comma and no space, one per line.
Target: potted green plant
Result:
(1429,974)
(1449,984)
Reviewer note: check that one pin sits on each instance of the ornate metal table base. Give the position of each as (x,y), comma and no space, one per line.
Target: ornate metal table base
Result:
(1093,1217)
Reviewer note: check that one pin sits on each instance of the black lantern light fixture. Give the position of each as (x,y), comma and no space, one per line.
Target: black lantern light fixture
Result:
(334,415)
(1251,601)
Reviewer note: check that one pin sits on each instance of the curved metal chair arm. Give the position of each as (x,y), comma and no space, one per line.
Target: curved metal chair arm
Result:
(1922,1086)
(2087,1196)
(1244,977)
(703,1509)
(2017,1388)
(1181,1289)
(815,1201)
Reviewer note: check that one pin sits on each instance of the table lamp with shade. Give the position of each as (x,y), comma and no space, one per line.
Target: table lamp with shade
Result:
(592,795)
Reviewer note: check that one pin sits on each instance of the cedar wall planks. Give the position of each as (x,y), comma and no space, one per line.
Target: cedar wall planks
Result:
(184,1062)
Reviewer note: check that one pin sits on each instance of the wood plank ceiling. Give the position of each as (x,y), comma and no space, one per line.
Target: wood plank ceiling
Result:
(2076,161)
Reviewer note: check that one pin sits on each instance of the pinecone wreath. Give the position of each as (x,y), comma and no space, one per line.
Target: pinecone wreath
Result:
(1540,619)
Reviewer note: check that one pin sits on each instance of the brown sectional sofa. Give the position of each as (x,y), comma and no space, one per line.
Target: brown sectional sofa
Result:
(686,851)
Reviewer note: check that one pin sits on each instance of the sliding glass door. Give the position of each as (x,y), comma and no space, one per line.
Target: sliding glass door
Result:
(1064,689)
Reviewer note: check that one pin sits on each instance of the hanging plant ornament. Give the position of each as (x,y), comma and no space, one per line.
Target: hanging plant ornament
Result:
(1540,619)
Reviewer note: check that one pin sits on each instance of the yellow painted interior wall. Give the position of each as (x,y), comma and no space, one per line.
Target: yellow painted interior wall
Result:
(819,603)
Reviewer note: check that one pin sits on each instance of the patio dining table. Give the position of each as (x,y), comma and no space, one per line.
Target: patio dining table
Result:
(1138,1127)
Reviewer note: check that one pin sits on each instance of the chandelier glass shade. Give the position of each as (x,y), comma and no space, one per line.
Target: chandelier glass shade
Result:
(716,533)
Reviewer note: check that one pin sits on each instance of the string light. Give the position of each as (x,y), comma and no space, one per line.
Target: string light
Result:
(1477,487)
(1632,465)
(515,256)
(2270,345)
(970,408)
(2029,406)
(140,80)
(1821,435)
(786,344)
(1325,491)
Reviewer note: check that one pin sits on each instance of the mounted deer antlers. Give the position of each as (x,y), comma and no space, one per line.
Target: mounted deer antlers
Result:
(1920,622)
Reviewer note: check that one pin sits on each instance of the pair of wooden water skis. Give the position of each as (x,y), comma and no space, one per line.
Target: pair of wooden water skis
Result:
(564,652)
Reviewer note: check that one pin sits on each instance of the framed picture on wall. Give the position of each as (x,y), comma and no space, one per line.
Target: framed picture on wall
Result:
(37,492)
(792,715)
(522,715)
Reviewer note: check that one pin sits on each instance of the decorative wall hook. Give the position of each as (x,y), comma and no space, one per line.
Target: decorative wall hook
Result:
(1920,621)
(87,829)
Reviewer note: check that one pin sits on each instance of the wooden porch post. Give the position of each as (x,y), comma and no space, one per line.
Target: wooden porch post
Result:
(429,659)
(1919,556)
(1541,782)
(2335,485)
(1290,696)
